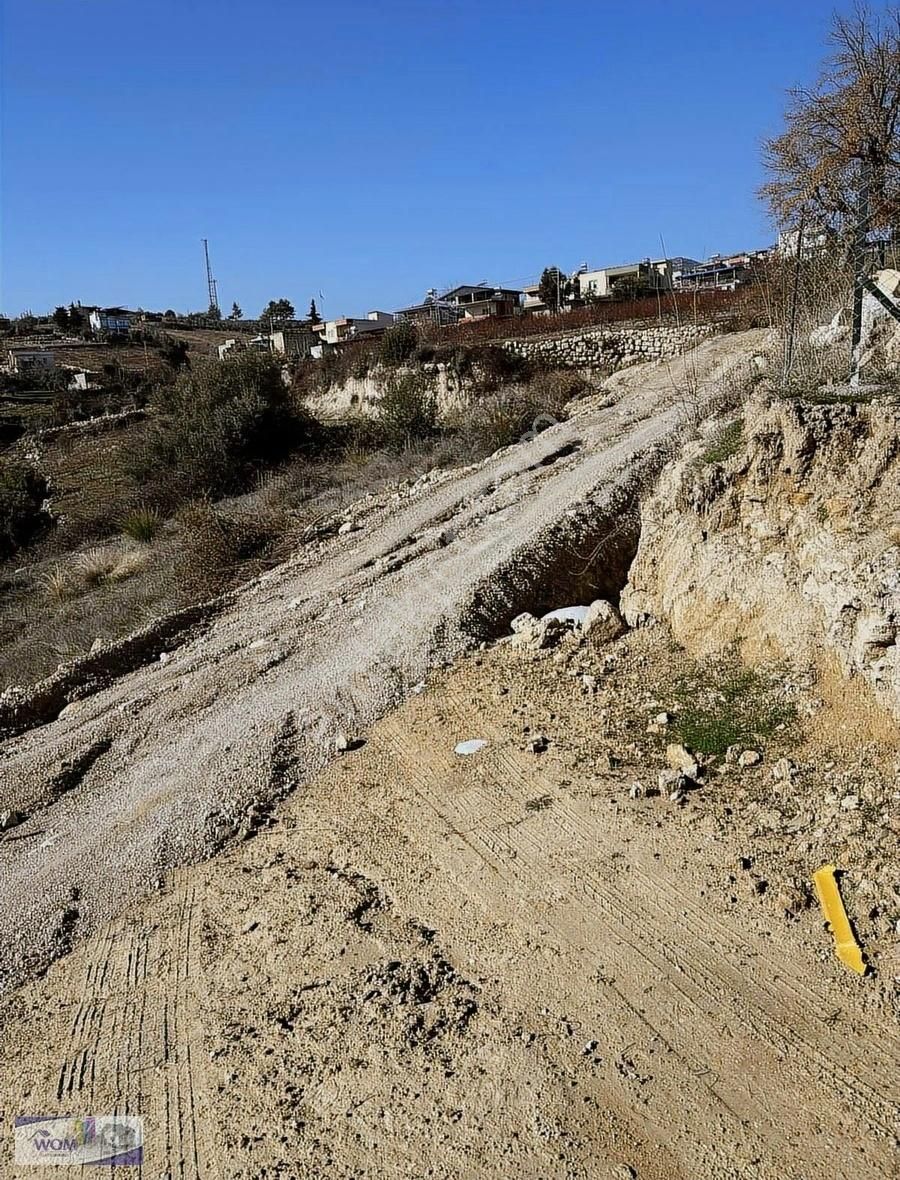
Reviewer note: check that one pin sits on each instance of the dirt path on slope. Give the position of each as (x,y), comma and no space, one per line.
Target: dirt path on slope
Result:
(487,967)
(157,766)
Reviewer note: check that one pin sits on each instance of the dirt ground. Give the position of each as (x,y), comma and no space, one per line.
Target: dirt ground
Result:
(427,965)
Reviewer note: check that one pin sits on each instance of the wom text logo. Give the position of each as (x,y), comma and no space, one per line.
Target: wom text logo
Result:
(100,1140)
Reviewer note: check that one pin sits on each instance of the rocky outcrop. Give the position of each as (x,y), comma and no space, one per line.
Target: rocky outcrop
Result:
(610,348)
(782,535)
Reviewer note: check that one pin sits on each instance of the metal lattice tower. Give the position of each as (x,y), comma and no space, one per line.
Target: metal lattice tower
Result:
(210,281)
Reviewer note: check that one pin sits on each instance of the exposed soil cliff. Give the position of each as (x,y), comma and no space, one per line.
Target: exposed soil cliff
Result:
(780,533)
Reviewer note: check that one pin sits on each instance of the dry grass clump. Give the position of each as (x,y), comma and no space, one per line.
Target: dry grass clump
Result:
(96,567)
(220,547)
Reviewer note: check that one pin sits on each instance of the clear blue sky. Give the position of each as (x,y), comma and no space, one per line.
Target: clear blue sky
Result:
(371,150)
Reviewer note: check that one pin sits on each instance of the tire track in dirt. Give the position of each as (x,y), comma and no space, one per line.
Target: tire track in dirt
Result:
(554,852)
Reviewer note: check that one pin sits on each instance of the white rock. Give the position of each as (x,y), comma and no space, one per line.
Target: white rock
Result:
(348,526)
(602,622)
(749,758)
(850,803)
(472,746)
(679,758)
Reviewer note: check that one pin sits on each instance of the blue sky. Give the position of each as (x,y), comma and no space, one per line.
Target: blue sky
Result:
(372,150)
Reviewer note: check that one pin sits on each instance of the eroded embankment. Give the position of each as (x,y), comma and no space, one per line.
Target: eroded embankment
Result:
(781,533)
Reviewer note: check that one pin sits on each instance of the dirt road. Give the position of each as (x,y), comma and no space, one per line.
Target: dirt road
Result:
(152,767)
(486,967)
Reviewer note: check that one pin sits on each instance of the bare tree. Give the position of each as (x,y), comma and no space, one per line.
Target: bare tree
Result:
(843,130)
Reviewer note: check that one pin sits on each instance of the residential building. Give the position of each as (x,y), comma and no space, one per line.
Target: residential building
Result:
(432,310)
(648,275)
(345,329)
(297,342)
(25,359)
(816,239)
(476,302)
(110,321)
(722,272)
(532,302)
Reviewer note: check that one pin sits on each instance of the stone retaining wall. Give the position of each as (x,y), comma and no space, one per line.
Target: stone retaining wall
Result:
(610,348)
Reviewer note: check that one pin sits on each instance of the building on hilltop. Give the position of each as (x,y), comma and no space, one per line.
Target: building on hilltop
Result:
(110,321)
(648,275)
(432,310)
(26,359)
(473,302)
(347,328)
(723,272)
(298,341)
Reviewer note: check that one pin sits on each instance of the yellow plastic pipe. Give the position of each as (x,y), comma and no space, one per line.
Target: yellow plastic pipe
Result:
(846,947)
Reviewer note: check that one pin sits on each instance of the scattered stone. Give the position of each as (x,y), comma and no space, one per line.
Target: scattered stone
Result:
(679,757)
(749,758)
(536,634)
(635,791)
(418,689)
(732,754)
(348,526)
(674,784)
(538,744)
(472,746)
(602,622)
(567,614)
(589,682)
(850,803)
(784,770)
(662,719)
(344,744)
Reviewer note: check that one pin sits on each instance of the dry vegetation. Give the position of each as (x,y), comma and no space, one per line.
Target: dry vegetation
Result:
(228,474)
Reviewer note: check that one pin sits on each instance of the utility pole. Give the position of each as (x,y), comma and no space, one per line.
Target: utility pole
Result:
(210,281)
(859,267)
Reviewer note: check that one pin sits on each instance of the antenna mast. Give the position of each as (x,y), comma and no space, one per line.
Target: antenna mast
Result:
(210,281)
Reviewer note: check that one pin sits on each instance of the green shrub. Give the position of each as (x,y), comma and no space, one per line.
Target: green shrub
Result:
(22,493)
(142,524)
(726,443)
(728,706)
(398,345)
(407,412)
(220,424)
(498,366)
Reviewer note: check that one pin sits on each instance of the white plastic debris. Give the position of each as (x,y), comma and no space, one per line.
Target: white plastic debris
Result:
(472,746)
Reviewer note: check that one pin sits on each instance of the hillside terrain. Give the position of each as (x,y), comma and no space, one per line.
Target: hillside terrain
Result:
(589,948)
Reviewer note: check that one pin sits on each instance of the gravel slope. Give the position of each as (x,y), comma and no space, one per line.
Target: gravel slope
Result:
(155,766)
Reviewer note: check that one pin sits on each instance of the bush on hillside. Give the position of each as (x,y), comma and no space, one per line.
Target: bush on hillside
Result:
(407,412)
(515,413)
(219,425)
(22,493)
(398,345)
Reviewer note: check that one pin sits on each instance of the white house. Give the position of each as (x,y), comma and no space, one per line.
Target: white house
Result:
(30,360)
(110,321)
(347,328)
